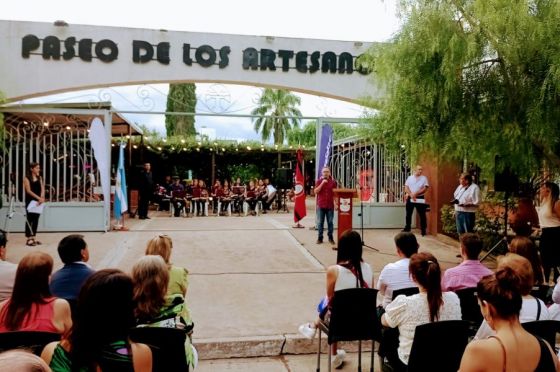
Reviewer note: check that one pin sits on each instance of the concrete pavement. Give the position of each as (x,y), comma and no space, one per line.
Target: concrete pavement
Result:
(253,280)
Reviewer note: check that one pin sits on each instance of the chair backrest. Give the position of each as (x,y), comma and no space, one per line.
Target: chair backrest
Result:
(353,315)
(439,346)
(545,329)
(31,340)
(541,292)
(469,305)
(167,345)
(405,291)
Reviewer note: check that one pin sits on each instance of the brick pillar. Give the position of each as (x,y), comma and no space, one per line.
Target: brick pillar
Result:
(443,178)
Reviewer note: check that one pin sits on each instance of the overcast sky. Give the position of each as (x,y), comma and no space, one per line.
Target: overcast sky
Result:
(361,20)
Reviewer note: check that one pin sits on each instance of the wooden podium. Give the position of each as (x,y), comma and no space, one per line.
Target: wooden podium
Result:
(344,203)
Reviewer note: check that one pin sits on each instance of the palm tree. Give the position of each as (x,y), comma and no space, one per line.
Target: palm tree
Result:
(278,113)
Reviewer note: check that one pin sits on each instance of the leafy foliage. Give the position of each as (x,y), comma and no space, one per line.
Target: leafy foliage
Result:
(181,98)
(307,135)
(278,113)
(472,79)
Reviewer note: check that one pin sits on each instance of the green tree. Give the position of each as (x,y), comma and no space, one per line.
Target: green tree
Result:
(472,79)
(307,135)
(278,113)
(181,98)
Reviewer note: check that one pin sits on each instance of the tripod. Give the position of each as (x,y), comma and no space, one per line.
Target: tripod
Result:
(361,214)
(12,209)
(503,239)
(282,202)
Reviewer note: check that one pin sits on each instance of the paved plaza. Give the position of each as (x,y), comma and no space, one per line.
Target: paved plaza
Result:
(252,280)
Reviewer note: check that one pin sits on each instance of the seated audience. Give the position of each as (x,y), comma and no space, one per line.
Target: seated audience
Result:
(511,348)
(31,306)
(349,272)
(7,269)
(99,339)
(67,282)
(554,309)
(162,245)
(532,308)
(470,271)
(20,360)
(430,305)
(153,307)
(396,275)
(526,248)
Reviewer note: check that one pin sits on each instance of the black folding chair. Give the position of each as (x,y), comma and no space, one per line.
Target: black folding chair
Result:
(30,340)
(541,292)
(438,346)
(469,308)
(353,318)
(167,345)
(545,329)
(405,291)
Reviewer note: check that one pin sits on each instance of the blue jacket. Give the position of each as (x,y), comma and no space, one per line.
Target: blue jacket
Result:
(67,282)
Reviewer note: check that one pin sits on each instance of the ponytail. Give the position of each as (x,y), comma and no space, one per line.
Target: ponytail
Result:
(425,270)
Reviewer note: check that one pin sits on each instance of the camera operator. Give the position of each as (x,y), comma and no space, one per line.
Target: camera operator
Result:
(466,200)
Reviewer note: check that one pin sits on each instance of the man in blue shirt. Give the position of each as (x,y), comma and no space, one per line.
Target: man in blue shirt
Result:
(67,282)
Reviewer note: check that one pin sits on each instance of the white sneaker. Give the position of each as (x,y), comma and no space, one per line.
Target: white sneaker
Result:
(308,330)
(337,361)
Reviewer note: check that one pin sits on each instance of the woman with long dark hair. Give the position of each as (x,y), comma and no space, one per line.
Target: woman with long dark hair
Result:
(34,191)
(31,306)
(350,271)
(430,305)
(511,348)
(99,339)
(549,220)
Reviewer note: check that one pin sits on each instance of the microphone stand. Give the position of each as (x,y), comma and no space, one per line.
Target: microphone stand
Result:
(361,214)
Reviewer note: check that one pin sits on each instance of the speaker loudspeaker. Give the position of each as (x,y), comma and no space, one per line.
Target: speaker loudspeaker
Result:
(284,179)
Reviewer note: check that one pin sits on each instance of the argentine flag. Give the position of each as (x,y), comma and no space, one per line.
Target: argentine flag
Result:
(121,202)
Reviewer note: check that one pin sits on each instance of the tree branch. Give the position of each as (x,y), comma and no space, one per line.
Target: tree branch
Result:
(493,60)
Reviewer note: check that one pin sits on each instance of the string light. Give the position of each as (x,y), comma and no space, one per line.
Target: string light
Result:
(135,146)
(183,141)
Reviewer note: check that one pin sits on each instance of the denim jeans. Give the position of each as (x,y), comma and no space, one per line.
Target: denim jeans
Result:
(322,213)
(464,221)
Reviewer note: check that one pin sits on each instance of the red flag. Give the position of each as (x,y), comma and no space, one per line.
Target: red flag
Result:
(299,209)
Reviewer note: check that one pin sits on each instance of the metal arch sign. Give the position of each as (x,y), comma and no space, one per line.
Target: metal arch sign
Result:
(41,58)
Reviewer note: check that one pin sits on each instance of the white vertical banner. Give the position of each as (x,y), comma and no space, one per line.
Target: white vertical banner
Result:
(99,143)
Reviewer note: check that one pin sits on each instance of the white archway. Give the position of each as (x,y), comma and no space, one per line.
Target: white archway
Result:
(41,58)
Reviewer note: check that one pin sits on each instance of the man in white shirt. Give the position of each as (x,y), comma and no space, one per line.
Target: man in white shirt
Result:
(466,200)
(415,187)
(396,275)
(7,270)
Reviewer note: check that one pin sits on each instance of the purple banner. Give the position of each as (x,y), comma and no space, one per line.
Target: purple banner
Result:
(324,148)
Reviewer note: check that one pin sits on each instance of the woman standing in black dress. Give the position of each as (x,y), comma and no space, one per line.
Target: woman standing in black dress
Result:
(34,191)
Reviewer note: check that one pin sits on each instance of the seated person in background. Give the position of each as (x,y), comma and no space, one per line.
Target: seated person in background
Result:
(19,360)
(251,197)
(525,219)
(349,272)
(31,306)
(67,282)
(177,197)
(511,348)
(7,269)
(153,308)
(430,305)
(99,339)
(226,198)
(554,309)
(531,308)
(470,271)
(162,245)
(396,275)
(526,248)
(216,194)
(270,194)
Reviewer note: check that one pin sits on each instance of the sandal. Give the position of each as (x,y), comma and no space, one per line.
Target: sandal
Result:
(31,242)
